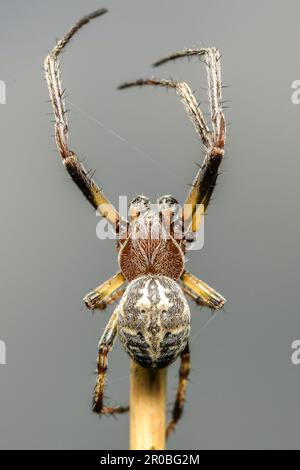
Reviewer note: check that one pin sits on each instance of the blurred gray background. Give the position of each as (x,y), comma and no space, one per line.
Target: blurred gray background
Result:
(244,391)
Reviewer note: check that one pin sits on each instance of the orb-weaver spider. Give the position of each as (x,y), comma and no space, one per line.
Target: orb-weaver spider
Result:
(152,318)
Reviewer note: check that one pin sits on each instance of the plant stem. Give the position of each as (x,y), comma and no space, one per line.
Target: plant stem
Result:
(147,408)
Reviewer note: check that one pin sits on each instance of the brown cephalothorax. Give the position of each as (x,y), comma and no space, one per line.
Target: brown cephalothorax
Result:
(152,318)
(150,246)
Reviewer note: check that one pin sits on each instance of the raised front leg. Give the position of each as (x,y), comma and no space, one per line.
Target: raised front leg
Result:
(81,177)
(214,138)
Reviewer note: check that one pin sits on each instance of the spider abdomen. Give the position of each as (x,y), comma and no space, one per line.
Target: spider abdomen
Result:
(153,321)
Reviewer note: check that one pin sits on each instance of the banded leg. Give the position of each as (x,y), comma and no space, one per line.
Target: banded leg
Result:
(213,140)
(114,297)
(106,293)
(206,177)
(105,346)
(188,99)
(184,371)
(201,293)
(75,168)
(198,300)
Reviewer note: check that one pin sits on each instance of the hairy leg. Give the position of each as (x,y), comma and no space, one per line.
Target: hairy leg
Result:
(75,168)
(106,293)
(212,139)
(180,396)
(205,180)
(105,346)
(201,293)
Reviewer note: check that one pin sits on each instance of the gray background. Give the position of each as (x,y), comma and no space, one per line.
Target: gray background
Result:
(244,391)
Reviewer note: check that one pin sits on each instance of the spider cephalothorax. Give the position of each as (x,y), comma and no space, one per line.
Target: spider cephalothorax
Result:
(152,317)
(151,246)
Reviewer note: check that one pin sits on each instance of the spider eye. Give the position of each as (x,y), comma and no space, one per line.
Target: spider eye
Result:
(167,200)
(139,205)
(168,205)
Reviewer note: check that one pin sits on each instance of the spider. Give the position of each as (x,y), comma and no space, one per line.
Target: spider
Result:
(152,318)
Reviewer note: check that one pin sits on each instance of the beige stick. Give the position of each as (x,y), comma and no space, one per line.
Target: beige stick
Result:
(147,408)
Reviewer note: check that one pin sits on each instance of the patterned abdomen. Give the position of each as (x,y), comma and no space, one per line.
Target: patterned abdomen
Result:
(153,321)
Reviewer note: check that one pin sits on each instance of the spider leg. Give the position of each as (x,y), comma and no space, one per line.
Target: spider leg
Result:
(214,140)
(180,396)
(188,99)
(205,180)
(71,162)
(105,346)
(180,55)
(198,300)
(114,297)
(201,293)
(106,293)
(192,219)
